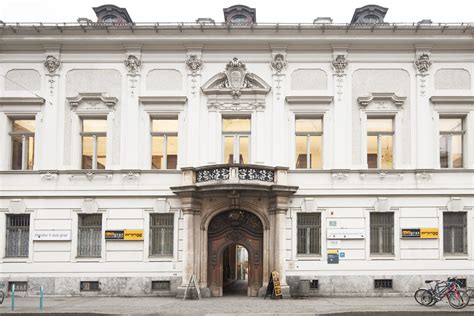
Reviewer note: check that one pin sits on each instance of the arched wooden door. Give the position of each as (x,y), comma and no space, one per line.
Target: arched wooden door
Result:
(235,227)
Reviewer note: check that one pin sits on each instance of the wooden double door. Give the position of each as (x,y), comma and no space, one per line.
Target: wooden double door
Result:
(231,228)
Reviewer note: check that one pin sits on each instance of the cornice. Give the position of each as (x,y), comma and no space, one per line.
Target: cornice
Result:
(457,99)
(21,101)
(163,99)
(317,99)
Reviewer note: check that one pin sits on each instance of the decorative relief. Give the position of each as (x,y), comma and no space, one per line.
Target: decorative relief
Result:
(256,174)
(237,106)
(215,174)
(381,101)
(52,64)
(194,65)
(424,175)
(92,101)
(423,65)
(235,219)
(48,175)
(133,64)
(131,175)
(340,176)
(339,64)
(278,63)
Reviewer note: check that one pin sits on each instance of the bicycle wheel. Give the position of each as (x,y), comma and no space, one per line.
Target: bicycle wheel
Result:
(2,297)
(423,297)
(458,299)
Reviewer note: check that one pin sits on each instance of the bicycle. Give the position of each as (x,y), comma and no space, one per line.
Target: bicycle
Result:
(451,289)
(2,294)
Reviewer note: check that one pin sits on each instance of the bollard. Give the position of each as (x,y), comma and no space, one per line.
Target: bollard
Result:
(41,298)
(13,296)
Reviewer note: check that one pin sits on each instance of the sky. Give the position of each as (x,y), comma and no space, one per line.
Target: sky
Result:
(290,11)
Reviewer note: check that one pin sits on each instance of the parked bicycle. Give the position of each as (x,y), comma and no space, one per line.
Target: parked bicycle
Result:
(451,289)
(2,294)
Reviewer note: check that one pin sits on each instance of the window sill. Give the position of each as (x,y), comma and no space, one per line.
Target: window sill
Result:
(456,257)
(309,258)
(15,259)
(88,259)
(382,257)
(160,259)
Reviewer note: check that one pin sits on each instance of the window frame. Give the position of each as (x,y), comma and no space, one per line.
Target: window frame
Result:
(451,133)
(382,254)
(94,136)
(308,141)
(307,245)
(78,253)
(465,253)
(151,240)
(8,228)
(379,135)
(165,141)
(236,139)
(24,135)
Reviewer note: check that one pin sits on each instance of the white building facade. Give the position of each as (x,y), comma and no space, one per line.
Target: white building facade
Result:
(134,154)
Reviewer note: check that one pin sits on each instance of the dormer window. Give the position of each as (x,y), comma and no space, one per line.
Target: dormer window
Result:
(239,19)
(240,14)
(112,14)
(110,19)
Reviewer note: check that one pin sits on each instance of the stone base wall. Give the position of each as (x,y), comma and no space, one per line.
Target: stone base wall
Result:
(356,285)
(109,286)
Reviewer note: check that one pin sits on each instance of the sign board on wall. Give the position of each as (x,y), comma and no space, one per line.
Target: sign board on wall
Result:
(127,234)
(333,244)
(52,235)
(422,233)
(345,233)
(333,256)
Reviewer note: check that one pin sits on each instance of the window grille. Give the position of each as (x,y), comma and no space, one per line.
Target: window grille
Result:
(309,233)
(20,286)
(18,235)
(313,284)
(455,233)
(381,233)
(90,286)
(161,231)
(160,285)
(90,235)
(383,283)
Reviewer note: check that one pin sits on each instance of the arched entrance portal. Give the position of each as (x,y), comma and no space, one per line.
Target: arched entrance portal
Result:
(231,228)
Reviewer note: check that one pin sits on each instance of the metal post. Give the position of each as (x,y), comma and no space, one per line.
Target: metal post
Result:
(41,298)
(13,296)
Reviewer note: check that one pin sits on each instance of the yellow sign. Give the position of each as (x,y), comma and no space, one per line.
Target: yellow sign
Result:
(133,234)
(276,283)
(332,251)
(429,233)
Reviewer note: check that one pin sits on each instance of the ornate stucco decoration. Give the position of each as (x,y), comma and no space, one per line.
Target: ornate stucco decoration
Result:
(382,101)
(236,89)
(133,64)
(423,63)
(278,63)
(92,101)
(194,63)
(340,64)
(52,64)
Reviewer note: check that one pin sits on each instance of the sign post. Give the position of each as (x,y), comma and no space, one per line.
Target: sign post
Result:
(274,286)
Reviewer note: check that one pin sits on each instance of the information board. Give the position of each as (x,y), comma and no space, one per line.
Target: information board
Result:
(420,233)
(127,234)
(274,286)
(52,235)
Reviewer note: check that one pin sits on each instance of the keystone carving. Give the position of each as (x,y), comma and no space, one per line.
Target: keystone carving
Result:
(278,63)
(340,65)
(194,63)
(133,64)
(423,63)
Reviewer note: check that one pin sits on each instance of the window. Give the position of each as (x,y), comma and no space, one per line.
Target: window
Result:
(381,233)
(18,235)
(160,285)
(309,233)
(383,283)
(236,134)
(451,142)
(94,143)
(455,233)
(161,234)
(20,286)
(89,242)
(164,141)
(380,143)
(23,144)
(87,286)
(309,133)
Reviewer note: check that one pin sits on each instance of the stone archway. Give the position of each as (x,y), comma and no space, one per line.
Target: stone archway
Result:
(235,227)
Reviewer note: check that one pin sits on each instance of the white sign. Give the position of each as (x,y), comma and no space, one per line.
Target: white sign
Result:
(334,244)
(52,235)
(346,233)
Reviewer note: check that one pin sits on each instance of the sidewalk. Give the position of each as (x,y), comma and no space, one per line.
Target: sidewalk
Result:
(235,305)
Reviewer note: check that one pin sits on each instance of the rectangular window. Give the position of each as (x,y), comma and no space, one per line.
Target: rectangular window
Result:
(451,133)
(381,233)
(164,139)
(161,234)
(309,135)
(94,143)
(309,233)
(89,243)
(18,235)
(380,143)
(23,144)
(236,138)
(455,233)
